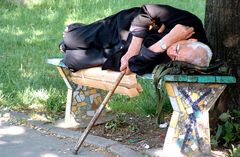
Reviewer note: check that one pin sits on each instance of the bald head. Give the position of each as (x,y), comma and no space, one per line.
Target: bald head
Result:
(190,51)
(201,54)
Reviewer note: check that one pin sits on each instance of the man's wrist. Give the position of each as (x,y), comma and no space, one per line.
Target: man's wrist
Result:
(163,45)
(167,40)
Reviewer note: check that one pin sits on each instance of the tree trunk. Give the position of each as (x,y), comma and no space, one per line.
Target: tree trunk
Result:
(222,24)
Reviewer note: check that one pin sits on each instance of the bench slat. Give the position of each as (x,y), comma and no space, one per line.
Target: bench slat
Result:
(97,74)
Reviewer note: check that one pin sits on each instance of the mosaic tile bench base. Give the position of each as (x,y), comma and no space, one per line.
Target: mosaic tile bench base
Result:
(188,133)
(82,102)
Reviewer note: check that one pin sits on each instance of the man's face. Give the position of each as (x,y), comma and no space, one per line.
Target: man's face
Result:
(180,51)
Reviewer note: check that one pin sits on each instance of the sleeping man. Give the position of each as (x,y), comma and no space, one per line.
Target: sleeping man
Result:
(136,40)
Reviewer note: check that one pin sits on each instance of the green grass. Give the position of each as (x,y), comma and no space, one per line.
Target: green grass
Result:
(30,33)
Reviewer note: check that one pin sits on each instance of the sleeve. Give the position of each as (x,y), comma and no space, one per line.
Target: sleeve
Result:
(168,15)
(147,15)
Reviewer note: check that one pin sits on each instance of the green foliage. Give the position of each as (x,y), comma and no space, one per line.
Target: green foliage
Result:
(119,121)
(30,33)
(228,131)
(235,151)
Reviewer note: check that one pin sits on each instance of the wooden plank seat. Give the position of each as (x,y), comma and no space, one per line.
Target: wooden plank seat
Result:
(102,79)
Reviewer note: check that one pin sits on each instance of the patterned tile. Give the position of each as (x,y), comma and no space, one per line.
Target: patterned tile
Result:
(84,100)
(189,126)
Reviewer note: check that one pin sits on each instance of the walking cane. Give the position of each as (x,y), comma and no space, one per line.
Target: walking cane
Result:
(97,114)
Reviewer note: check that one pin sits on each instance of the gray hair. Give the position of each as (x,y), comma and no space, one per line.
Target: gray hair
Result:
(207,53)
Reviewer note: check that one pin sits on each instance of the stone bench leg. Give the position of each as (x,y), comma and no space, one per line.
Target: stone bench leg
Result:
(188,133)
(82,102)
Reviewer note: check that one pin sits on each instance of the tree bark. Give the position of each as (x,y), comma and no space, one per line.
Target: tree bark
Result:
(222,24)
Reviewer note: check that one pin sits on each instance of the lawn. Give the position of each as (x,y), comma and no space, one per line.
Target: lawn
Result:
(30,33)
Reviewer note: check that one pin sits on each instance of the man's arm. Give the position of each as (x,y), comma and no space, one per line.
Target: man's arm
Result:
(178,33)
(139,29)
(148,14)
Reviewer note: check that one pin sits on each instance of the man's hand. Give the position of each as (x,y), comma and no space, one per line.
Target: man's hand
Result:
(124,61)
(178,33)
(133,50)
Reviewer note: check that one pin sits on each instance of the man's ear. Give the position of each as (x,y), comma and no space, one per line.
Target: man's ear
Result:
(193,40)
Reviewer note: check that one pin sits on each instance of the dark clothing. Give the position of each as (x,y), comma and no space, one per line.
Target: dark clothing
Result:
(104,42)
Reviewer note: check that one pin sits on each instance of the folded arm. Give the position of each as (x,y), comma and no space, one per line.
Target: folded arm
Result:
(140,28)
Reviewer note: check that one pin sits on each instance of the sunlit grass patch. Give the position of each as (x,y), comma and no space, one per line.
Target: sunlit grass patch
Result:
(30,96)
(2,98)
(27,3)
(40,100)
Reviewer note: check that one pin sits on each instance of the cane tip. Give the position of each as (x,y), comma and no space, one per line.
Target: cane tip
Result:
(75,152)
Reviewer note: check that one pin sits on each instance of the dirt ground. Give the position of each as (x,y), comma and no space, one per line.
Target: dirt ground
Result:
(139,132)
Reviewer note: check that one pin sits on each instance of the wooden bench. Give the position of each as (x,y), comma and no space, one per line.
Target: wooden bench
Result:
(191,98)
(87,89)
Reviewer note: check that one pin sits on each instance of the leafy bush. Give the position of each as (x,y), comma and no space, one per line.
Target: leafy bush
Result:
(228,130)
(235,151)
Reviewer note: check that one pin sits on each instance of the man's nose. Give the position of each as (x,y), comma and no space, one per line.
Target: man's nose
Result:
(172,52)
